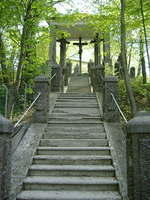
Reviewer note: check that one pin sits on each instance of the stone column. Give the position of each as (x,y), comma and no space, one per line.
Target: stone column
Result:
(69,65)
(6,129)
(52,50)
(110,110)
(138,157)
(106,49)
(66,75)
(42,85)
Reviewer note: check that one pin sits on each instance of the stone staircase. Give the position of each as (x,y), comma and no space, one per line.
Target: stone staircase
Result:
(73,160)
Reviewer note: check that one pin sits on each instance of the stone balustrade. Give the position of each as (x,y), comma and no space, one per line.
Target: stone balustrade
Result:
(110,110)
(6,130)
(138,156)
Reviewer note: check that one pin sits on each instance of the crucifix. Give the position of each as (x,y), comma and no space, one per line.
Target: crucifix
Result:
(96,42)
(80,44)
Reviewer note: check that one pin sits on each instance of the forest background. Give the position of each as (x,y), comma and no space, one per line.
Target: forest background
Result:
(25,35)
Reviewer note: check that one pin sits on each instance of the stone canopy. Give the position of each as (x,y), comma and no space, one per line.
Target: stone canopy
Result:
(75,30)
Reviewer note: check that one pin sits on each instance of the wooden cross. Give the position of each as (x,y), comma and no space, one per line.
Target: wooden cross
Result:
(80,44)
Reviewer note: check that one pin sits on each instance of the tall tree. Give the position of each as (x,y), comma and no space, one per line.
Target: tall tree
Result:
(142,59)
(19,22)
(124,58)
(144,30)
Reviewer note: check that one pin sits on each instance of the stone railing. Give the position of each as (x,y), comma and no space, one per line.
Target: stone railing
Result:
(62,76)
(7,128)
(130,142)
(94,74)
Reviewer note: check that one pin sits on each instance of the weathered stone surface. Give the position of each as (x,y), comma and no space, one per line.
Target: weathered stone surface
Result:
(138,159)
(117,139)
(42,85)
(22,156)
(139,124)
(56,82)
(6,129)
(111,113)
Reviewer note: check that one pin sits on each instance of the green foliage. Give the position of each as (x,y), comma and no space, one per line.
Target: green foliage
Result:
(2,100)
(141,93)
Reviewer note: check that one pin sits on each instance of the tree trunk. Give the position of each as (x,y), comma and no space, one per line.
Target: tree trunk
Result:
(124,59)
(3,60)
(130,55)
(142,59)
(145,33)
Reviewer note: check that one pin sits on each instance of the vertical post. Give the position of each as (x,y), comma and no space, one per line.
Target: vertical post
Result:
(70,68)
(52,51)
(42,105)
(111,113)
(106,49)
(6,129)
(66,75)
(63,48)
(138,156)
(56,82)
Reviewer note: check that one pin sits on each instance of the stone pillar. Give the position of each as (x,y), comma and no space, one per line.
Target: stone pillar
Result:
(66,75)
(138,157)
(110,110)
(52,50)
(69,65)
(57,80)
(106,50)
(6,129)
(42,85)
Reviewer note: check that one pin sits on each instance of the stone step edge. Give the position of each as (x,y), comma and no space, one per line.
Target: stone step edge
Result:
(73,148)
(72,167)
(68,195)
(70,180)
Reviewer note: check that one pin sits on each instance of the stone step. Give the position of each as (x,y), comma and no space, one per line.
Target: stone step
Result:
(83,111)
(73,134)
(73,151)
(70,183)
(76,94)
(75,120)
(89,128)
(72,170)
(72,105)
(72,159)
(76,100)
(70,115)
(68,195)
(73,142)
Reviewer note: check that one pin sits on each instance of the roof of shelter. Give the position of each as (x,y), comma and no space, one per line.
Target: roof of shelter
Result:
(75,30)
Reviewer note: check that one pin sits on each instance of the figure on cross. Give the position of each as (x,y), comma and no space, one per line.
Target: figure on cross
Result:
(80,44)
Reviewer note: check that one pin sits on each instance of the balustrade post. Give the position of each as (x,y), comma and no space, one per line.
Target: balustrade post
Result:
(70,68)
(56,82)
(66,74)
(42,85)
(6,130)
(138,157)
(110,110)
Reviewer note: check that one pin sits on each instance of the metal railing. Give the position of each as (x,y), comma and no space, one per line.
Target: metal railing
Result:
(52,76)
(28,109)
(32,104)
(115,101)
(118,107)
